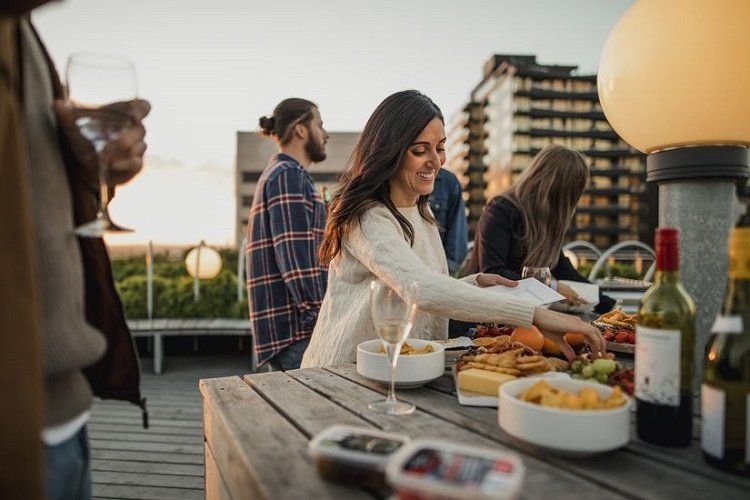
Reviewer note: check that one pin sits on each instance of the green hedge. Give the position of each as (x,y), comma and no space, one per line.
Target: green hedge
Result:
(621,270)
(173,289)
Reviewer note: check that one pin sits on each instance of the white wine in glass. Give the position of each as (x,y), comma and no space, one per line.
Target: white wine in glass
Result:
(100,87)
(393,315)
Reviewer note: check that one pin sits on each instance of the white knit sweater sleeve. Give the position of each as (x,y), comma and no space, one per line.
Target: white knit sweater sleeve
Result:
(377,242)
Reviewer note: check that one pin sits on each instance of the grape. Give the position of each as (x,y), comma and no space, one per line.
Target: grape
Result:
(602,377)
(576,365)
(587,371)
(604,366)
(592,379)
(577,376)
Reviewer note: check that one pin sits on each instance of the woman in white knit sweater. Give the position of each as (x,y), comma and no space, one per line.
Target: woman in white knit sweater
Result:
(380,226)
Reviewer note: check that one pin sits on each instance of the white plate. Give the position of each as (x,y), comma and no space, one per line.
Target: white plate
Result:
(467,398)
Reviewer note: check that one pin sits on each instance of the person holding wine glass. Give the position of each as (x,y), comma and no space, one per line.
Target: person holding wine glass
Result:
(380,227)
(85,345)
(523,228)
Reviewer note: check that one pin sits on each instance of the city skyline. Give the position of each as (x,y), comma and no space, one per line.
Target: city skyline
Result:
(211,70)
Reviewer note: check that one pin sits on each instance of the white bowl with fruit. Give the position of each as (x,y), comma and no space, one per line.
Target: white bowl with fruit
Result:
(565,416)
(421,361)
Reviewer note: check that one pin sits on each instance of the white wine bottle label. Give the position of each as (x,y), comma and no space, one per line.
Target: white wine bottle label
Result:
(657,366)
(713,401)
(727,324)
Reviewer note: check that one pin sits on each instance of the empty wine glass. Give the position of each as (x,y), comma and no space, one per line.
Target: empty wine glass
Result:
(100,87)
(393,315)
(542,274)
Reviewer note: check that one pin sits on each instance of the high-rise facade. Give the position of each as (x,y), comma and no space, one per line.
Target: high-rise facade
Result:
(253,152)
(521,106)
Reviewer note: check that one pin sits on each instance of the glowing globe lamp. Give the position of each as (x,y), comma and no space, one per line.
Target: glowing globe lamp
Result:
(677,73)
(203,263)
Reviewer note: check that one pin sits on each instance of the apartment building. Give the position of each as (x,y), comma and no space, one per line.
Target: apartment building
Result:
(521,106)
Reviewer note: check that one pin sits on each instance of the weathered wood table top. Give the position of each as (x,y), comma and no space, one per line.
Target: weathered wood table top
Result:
(257,429)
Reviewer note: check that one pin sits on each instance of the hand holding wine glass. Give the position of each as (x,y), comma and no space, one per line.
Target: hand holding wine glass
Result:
(393,315)
(102,105)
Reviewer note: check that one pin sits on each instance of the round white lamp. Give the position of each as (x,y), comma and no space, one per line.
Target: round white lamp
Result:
(202,263)
(674,81)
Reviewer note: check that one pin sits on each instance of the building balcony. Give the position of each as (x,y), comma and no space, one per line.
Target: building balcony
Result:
(617,172)
(558,94)
(554,113)
(610,153)
(586,134)
(610,191)
(594,153)
(605,210)
(598,229)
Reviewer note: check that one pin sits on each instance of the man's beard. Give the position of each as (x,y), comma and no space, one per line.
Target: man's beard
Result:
(316,151)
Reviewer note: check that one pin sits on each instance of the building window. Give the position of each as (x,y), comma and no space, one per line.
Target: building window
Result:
(249,177)
(247,200)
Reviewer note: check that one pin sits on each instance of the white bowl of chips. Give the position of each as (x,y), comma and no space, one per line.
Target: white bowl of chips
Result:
(421,362)
(565,416)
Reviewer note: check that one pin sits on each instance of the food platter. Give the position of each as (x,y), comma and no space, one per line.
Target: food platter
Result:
(621,348)
(493,361)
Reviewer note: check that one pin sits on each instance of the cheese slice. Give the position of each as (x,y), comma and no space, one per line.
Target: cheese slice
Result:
(482,381)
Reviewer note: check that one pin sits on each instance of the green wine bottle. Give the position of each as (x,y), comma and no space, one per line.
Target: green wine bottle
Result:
(725,394)
(665,338)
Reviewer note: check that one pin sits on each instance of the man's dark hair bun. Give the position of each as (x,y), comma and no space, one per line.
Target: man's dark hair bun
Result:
(267,124)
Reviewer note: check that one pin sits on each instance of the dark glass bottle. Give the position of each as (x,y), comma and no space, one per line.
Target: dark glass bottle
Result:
(665,338)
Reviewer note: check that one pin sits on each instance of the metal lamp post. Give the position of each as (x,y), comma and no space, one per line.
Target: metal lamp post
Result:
(674,81)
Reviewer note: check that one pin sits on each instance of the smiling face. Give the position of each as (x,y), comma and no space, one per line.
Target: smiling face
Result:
(416,173)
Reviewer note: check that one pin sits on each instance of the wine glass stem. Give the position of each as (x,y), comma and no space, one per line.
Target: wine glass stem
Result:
(393,351)
(103,185)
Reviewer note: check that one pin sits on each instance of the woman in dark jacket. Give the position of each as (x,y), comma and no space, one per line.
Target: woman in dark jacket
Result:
(526,225)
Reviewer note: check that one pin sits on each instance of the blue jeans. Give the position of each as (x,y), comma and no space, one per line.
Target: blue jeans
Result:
(67,469)
(291,357)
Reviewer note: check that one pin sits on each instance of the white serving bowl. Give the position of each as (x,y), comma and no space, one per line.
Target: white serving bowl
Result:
(411,371)
(568,432)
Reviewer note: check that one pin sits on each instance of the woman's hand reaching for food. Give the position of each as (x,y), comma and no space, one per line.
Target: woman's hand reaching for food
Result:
(554,326)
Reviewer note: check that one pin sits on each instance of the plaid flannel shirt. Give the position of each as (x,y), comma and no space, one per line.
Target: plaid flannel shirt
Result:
(285,281)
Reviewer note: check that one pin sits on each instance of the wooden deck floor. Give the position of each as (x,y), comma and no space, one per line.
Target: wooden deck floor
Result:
(165,461)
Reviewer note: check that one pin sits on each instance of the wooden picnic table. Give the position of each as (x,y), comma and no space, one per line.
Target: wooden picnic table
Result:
(257,428)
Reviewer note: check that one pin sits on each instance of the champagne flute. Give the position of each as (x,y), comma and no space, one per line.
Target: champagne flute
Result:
(99,87)
(542,274)
(393,315)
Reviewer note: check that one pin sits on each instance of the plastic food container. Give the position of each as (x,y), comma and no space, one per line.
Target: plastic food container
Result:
(354,455)
(438,470)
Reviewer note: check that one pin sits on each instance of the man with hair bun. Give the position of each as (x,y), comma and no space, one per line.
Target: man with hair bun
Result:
(285,280)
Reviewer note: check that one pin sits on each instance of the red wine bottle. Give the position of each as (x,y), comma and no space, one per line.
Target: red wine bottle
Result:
(665,338)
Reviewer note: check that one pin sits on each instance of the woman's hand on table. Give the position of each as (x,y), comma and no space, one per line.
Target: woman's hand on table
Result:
(554,326)
(485,280)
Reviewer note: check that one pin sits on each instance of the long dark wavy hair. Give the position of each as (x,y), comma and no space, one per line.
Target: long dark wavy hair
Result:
(392,128)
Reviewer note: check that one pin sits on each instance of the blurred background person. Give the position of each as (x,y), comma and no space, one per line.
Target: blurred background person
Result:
(285,281)
(526,225)
(447,205)
(86,347)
